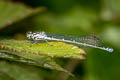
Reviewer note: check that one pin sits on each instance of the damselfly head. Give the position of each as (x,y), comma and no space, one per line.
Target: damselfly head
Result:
(29,34)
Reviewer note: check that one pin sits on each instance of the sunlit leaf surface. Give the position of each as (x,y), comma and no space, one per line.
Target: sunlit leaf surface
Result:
(58,49)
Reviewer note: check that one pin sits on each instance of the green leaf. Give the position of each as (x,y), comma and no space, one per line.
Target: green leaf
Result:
(16,71)
(5,76)
(58,49)
(39,54)
(41,61)
(11,12)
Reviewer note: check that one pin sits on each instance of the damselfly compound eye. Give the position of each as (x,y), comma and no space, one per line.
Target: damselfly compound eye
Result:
(29,35)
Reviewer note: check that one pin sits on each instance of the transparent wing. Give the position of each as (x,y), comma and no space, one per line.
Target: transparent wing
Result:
(91,40)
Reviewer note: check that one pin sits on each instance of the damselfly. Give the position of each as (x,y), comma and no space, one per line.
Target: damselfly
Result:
(87,41)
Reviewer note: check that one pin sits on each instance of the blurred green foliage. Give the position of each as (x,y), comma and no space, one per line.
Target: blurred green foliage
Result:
(81,17)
